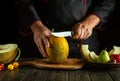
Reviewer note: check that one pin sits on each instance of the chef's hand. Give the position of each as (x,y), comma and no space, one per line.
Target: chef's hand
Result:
(41,34)
(83,30)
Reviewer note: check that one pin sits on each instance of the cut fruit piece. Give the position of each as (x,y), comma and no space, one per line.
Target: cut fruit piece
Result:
(93,56)
(111,52)
(115,50)
(115,57)
(85,52)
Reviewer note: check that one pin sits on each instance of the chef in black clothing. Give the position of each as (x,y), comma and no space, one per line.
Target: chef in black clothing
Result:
(84,17)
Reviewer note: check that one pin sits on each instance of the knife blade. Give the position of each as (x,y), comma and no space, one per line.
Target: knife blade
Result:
(63,34)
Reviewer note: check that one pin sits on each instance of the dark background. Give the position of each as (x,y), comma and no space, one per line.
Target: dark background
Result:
(9,32)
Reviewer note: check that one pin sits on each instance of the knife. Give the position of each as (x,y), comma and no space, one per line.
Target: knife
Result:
(63,34)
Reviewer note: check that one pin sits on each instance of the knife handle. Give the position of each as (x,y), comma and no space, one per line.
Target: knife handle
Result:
(72,33)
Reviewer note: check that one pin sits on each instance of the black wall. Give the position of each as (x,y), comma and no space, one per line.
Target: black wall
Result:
(9,32)
(9,29)
(112,34)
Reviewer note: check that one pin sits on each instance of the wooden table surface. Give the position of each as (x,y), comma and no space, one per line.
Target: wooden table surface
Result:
(28,73)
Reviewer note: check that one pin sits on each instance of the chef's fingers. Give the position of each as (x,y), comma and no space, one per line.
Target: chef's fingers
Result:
(46,42)
(81,35)
(41,47)
(77,33)
(87,34)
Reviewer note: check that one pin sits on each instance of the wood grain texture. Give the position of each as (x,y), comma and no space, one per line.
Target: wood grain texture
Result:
(69,64)
(27,73)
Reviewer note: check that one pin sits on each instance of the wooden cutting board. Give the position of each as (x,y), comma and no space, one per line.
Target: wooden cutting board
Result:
(69,64)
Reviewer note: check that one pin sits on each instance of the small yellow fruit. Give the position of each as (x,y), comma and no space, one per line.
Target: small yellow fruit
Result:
(10,67)
(16,64)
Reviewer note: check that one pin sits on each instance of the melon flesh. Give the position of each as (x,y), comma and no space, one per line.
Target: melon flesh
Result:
(7,48)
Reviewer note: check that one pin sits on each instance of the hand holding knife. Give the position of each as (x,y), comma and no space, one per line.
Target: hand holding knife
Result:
(65,34)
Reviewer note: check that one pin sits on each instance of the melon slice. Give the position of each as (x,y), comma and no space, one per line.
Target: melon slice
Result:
(90,56)
(85,52)
(115,50)
(93,56)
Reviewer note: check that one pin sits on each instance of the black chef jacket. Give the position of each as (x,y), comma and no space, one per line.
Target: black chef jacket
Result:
(63,14)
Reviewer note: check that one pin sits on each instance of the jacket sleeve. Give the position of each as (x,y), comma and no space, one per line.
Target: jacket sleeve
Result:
(103,9)
(26,15)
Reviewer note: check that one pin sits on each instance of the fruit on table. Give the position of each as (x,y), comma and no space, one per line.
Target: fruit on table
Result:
(93,56)
(58,50)
(10,67)
(115,58)
(103,57)
(1,67)
(8,52)
(87,54)
(13,65)
(16,64)
(115,54)
(115,50)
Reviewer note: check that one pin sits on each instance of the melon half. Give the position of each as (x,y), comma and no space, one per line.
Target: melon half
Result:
(8,52)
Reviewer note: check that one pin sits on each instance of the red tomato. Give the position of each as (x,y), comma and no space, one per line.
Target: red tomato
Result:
(1,67)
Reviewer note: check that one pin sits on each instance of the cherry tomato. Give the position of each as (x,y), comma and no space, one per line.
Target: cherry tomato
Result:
(10,67)
(16,64)
(1,67)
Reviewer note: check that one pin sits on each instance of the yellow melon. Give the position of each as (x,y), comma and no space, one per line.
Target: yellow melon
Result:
(58,50)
